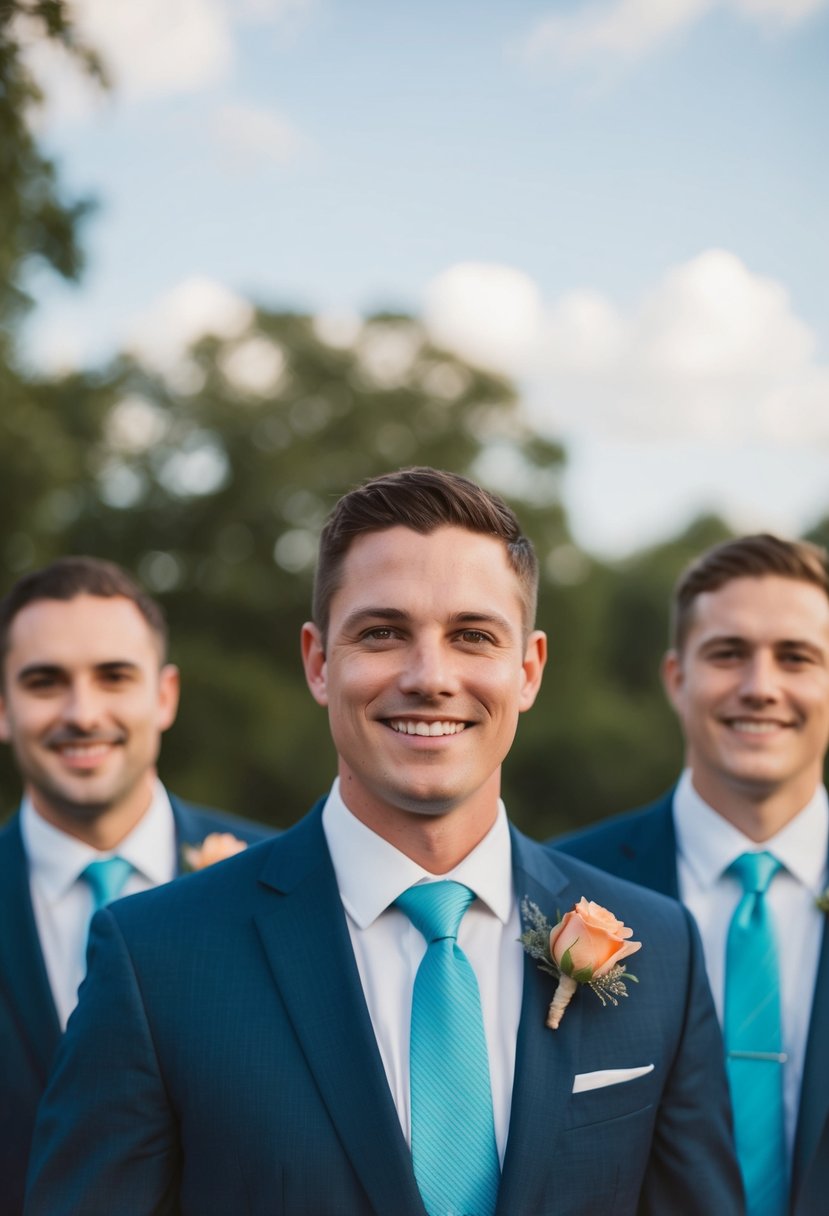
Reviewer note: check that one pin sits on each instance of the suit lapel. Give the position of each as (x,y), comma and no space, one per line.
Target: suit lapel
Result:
(189,829)
(22,969)
(813,1112)
(649,853)
(304,932)
(545,1060)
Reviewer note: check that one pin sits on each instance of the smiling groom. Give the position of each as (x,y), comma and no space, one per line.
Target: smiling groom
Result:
(343,1020)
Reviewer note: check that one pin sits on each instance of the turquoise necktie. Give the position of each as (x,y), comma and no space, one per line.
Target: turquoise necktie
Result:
(106,879)
(753,1040)
(454,1152)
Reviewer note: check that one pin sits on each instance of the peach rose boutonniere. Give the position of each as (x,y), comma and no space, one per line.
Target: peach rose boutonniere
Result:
(586,946)
(216,847)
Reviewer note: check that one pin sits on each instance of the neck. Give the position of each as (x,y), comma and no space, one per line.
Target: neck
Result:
(758,811)
(436,840)
(102,829)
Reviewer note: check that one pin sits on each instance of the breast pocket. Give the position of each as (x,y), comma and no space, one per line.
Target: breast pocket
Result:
(599,1103)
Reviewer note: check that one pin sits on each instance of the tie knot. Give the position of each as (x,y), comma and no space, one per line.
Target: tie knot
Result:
(755,871)
(436,908)
(106,878)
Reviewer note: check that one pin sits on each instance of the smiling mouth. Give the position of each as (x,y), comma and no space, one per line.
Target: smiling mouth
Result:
(756,726)
(413,726)
(84,751)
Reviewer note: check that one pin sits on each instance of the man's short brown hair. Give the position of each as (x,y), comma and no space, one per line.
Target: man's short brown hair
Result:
(422,499)
(68,577)
(757,556)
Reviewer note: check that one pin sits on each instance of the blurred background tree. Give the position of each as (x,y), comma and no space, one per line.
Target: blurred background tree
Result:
(210,477)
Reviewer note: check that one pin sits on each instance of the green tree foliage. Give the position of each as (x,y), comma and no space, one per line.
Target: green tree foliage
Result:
(212,481)
(37,223)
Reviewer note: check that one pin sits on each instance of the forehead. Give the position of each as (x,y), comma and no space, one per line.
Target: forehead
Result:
(765,609)
(446,571)
(86,630)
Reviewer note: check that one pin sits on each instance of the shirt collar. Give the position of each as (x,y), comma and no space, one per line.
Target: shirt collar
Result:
(56,859)
(708,843)
(371,872)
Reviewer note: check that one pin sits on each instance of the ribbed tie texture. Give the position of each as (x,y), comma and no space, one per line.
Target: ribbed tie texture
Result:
(106,879)
(754,1041)
(454,1153)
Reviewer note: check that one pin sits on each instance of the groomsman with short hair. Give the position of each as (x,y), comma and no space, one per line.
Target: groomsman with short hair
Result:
(85,694)
(743,838)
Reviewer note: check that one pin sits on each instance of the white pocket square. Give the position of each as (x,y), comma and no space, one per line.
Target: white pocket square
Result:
(583,1081)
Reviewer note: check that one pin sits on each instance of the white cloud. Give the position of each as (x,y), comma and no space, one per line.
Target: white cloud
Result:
(270,11)
(198,306)
(149,48)
(713,352)
(253,134)
(627,29)
(490,314)
(779,12)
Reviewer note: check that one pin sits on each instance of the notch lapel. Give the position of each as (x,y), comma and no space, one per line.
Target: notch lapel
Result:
(649,853)
(302,924)
(190,830)
(545,1061)
(22,969)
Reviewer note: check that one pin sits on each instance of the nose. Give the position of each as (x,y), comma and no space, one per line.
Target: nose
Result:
(82,706)
(430,669)
(759,684)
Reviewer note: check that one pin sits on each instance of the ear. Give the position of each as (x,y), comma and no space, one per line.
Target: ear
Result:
(169,686)
(535,656)
(673,677)
(313,660)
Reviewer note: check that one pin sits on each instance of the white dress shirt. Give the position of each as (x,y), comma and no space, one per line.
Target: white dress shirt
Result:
(707,844)
(371,873)
(62,900)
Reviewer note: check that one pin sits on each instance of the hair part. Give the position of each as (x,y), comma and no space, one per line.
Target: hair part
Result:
(423,499)
(68,577)
(758,556)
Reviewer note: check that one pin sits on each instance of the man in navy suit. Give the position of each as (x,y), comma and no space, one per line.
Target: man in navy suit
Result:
(85,695)
(259,1038)
(748,675)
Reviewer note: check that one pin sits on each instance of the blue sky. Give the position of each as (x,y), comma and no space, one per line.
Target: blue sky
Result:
(623,204)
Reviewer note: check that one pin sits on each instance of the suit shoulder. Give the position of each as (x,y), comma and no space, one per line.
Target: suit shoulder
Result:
(219,888)
(202,820)
(596,843)
(624,898)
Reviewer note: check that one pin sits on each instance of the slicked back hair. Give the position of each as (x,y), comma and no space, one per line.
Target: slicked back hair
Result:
(757,556)
(424,500)
(68,577)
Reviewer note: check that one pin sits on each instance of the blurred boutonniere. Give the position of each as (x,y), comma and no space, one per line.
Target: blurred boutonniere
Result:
(585,946)
(216,847)
(822,902)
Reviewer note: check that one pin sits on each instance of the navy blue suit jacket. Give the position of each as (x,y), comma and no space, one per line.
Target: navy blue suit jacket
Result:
(29,1027)
(640,846)
(223,1050)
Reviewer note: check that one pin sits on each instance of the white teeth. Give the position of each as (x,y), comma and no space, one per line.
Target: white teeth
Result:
(406,727)
(96,749)
(755,728)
